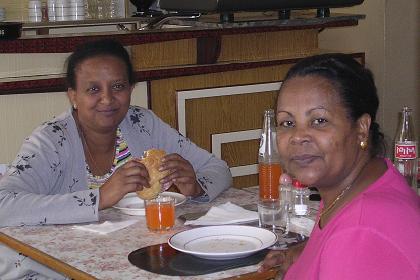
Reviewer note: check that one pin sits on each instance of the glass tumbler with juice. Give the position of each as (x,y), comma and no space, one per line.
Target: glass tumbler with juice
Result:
(160,213)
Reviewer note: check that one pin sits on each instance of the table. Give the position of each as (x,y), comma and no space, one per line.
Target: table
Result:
(82,255)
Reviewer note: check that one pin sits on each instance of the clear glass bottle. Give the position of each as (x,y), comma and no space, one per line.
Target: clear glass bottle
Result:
(268,159)
(300,199)
(405,148)
(286,190)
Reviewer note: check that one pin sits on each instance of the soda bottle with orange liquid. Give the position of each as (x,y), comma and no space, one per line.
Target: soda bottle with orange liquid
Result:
(268,159)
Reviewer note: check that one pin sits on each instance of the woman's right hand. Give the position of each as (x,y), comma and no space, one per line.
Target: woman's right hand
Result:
(130,177)
(282,258)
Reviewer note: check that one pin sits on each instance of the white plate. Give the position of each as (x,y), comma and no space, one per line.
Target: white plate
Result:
(222,242)
(131,204)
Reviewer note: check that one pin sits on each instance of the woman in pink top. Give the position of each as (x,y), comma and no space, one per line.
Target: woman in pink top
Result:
(368,225)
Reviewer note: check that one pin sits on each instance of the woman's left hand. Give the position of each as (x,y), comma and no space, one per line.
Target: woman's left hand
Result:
(181,174)
(282,258)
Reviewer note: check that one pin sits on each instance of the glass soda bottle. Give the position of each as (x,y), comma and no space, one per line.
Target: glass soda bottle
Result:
(286,190)
(268,159)
(405,148)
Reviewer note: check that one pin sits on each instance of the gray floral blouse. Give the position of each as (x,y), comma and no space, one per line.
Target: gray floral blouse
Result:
(47,183)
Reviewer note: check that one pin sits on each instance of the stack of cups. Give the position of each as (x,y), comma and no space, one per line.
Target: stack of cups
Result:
(77,9)
(62,10)
(34,11)
(51,10)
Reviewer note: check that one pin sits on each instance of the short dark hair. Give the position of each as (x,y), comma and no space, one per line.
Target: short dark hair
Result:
(354,84)
(102,47)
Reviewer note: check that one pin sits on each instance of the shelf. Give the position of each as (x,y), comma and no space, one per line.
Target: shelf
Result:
(83,23)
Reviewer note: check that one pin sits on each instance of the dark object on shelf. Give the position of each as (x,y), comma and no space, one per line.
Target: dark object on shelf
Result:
(143,8)
(160,20)
(227,7)
(10,30)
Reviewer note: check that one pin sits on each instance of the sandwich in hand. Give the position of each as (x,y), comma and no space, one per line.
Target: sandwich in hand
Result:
(151,160)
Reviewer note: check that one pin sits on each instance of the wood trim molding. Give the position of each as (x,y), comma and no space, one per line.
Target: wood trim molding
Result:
(183,96)
(217,141)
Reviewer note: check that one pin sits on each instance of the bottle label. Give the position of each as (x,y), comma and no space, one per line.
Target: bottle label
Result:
(407,150)
(301,209)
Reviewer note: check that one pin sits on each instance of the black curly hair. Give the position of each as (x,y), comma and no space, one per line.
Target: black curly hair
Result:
(102,47)
(355,85)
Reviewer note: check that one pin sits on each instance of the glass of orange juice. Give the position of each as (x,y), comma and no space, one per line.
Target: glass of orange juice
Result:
(160,213)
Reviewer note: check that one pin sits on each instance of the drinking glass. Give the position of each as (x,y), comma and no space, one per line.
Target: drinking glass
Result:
(160,213)
(274,215)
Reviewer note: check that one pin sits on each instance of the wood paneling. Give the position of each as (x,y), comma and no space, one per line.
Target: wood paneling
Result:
(241,152)
(258,46)
(269,45)
(245,181)
(163,92)
(206,116)
(16,10)
(221,114)
(170,53)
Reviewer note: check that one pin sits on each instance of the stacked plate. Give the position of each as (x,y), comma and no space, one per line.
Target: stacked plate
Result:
(62,10)
(51,10)
(77,9)
(34,11)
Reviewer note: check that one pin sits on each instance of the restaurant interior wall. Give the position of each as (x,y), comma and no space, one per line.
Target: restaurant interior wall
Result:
(389,36)
(389,56)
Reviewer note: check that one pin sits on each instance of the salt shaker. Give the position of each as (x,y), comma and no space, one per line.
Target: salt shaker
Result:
(300,199)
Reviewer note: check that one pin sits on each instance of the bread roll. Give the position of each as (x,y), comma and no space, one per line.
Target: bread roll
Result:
(151,160)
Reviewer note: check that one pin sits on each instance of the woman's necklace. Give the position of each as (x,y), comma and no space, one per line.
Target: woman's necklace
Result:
(340,195)
(92,159)
(331,206)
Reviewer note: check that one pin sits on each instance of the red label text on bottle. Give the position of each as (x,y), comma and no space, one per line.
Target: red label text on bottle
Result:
(405,151)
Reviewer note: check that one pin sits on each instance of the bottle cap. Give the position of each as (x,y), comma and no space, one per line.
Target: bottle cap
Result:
(285,179)
(298,184)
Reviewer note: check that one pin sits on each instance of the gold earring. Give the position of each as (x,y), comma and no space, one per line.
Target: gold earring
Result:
(363,145)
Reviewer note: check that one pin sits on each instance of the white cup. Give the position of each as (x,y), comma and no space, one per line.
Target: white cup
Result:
(78,3)
(51,11)
(33,4)
(62,3)
(35,18)
(34,12)
(63,12)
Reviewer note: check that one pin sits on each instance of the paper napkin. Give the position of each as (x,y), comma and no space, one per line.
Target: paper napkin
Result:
(106,227)
(224,214)
(302,225)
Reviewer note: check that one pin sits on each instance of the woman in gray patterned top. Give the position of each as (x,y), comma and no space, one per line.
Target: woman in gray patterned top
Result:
(53,178)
